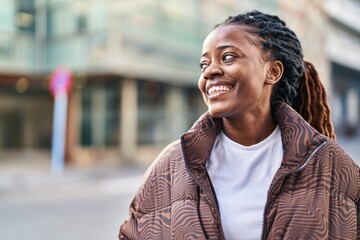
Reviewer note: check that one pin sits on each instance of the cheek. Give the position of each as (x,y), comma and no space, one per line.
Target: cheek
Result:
(202,86)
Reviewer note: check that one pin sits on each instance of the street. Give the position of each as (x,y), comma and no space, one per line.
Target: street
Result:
(72,210)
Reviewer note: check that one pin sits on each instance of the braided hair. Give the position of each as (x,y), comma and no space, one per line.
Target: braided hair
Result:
(300,85)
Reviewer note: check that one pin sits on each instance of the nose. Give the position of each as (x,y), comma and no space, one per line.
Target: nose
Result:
(213,70)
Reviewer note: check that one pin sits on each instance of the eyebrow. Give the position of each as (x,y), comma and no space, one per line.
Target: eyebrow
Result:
(221,47)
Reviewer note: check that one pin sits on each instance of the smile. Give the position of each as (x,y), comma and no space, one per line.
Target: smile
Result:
(218,89)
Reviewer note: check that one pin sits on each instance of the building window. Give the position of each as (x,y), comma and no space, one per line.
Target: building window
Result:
(81,23)
(100,114)
(25,17)
(151,125)
(80,9)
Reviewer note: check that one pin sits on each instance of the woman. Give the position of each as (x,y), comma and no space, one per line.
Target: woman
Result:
(262,163)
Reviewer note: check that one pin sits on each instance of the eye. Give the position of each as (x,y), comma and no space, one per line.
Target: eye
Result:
(203,65)
(228,57)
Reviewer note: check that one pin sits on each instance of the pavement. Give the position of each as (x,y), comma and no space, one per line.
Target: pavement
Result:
(25,173)
(85,203)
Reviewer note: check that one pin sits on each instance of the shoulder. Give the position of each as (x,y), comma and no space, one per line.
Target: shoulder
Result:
(337,156)
(157,179)
(153,198)
(344,171)
(170,154)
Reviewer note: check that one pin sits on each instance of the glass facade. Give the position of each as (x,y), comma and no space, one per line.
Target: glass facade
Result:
(100,114)
(25,15)
(152,45)
(25,119)
(151,116)
(17,35)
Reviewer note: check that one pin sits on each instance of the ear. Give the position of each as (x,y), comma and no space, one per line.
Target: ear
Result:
(275,72)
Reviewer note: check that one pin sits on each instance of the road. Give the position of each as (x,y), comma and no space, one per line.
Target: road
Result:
(72,210)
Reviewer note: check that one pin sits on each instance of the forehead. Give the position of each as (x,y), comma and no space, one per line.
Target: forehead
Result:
(229,35)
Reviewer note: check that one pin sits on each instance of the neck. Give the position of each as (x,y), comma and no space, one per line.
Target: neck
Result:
(249,130)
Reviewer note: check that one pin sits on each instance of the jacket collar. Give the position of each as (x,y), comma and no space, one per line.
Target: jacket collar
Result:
(199,140)
(298,137)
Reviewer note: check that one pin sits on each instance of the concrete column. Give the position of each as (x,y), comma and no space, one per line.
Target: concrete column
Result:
(29,125)
(175,112)
(358,110)
(344,108)
(128,116)
(72,131)
(98,111)
(353,106)
(2,140)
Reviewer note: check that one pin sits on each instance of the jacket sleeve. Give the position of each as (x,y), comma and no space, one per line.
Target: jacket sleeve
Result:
(128,230)
(358,220)
(153,194)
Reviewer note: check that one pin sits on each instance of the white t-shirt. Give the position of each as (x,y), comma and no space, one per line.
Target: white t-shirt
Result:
(241,176)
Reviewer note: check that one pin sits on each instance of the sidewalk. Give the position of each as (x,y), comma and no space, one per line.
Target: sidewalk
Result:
(85,203)
(22,174)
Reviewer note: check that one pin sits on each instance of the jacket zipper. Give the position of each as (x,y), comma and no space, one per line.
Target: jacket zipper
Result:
(213,201)
(263,232)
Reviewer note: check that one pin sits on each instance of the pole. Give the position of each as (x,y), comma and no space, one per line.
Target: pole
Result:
(59,134)
(60,85)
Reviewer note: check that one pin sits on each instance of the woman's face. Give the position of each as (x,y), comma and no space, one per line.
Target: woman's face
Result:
(234,72)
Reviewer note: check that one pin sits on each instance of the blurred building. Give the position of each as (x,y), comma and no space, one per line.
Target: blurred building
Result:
(343,51)
(135,68)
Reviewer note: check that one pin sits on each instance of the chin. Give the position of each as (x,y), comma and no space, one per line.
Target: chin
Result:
(216,113)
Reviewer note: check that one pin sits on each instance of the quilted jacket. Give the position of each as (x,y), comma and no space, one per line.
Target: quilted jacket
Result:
(314,194)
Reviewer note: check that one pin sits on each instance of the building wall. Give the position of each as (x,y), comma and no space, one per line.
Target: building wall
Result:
(135,68)
(310,23)
(17,41)
(343,53)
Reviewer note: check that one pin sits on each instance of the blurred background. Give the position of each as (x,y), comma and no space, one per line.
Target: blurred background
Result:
(134,68)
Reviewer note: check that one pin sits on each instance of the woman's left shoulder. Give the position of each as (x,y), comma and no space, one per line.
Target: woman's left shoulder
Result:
(336,156)
(344,171)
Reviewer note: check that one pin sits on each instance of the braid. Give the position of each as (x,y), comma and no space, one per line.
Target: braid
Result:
(299,87)
(315,109)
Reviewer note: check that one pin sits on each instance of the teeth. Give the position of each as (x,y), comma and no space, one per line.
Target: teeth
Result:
(218,88)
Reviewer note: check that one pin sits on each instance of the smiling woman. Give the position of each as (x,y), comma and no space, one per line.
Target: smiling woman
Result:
(262,163)
(230,60)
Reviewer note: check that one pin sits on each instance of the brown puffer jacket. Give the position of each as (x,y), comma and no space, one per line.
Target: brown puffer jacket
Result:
(314,194)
